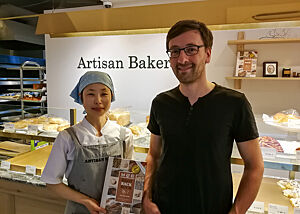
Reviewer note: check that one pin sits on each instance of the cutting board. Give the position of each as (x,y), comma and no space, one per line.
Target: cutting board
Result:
(8,153)
(37,158)
(14,147)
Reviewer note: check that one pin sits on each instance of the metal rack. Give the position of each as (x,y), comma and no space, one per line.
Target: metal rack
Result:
(26,66)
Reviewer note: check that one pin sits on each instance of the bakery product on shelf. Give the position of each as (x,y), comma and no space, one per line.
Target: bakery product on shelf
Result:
(57,120)
(22,124)
(266,141)
(136,130)
(45,123)
(284,118)
(50,127)
(295,202)
(288,184)
(291,189)
(62,127)
(291,193)
(121,116)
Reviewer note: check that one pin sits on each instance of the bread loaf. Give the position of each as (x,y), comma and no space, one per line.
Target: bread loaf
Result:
(122,117)
(50,127)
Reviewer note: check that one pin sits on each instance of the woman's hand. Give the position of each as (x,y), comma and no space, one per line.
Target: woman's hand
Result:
(93,206)
(150,207)
(70,194)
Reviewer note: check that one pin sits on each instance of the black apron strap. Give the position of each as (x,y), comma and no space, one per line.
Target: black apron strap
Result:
(122,139)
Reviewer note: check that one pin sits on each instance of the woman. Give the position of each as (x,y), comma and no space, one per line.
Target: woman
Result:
(81,152)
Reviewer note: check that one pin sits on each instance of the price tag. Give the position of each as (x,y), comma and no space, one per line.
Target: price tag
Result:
(293,123)
(9,127)
(30,170)
(296,210)
(5,165)
(41,146)
(278,209)
(257,207)
(33,129)
(298,155)
(268,153)
(44,98)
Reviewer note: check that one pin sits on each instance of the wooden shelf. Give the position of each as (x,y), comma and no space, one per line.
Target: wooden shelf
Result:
(238,80)
(240,42)
(26,136)
(28,90)
(262,41)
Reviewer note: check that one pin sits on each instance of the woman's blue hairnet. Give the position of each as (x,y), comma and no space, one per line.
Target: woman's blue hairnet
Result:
(91,77)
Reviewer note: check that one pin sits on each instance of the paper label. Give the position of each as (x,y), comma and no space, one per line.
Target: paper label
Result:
(41,146)
(268,153)
(278,209)
(298,155)
(44,98)
(32,129)
(5,165)
(125,187)
(296,210)
(30,170)
(9,127)
(257,207)
(293,123)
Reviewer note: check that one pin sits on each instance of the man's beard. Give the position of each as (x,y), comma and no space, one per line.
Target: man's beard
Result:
(188,77)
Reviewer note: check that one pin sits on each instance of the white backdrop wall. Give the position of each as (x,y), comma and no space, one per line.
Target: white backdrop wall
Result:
(136,87)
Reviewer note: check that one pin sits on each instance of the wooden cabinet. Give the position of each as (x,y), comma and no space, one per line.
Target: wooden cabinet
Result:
(22,198)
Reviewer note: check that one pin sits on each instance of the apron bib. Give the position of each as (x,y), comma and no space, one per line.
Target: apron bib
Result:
(89,168)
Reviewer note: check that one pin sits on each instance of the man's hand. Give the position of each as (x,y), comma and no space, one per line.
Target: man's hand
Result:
(150,207)
(93,206)
(232,211)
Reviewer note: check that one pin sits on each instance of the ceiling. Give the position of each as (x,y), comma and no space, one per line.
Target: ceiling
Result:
(38,6)
(15,8)
(11,34)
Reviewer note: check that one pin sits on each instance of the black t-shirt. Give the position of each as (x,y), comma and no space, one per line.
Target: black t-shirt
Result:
(194,174)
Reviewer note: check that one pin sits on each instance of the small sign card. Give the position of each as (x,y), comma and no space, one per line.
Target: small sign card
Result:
(278,209)
(30,170)
(44,98)
(32,129)
(296,210)
(268,153)
(298,155)
(9,127)
(5,165)
(256,207)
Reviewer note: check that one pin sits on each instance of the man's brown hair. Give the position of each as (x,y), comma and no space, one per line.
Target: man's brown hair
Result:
(187,25)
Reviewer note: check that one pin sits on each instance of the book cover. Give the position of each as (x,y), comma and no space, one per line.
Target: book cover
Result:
(123,186)
(246,64)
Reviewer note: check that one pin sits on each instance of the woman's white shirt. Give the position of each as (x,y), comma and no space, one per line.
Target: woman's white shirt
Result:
(61,158)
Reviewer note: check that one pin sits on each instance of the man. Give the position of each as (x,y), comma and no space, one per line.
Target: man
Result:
(193,127)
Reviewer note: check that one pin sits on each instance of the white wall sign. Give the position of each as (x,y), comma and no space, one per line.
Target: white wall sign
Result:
(139,67)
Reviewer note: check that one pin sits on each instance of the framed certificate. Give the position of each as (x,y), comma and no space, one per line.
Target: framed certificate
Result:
(270,69)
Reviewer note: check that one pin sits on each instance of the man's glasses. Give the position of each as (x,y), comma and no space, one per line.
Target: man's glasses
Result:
(189,51)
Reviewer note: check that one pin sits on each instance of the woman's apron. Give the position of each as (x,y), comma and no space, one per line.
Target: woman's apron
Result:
(88,172)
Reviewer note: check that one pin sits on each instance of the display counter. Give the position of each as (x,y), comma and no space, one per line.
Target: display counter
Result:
(269,193)
(24,193)
(21,194)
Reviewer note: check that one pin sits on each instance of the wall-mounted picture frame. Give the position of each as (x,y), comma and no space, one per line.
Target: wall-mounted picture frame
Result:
(270,69)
